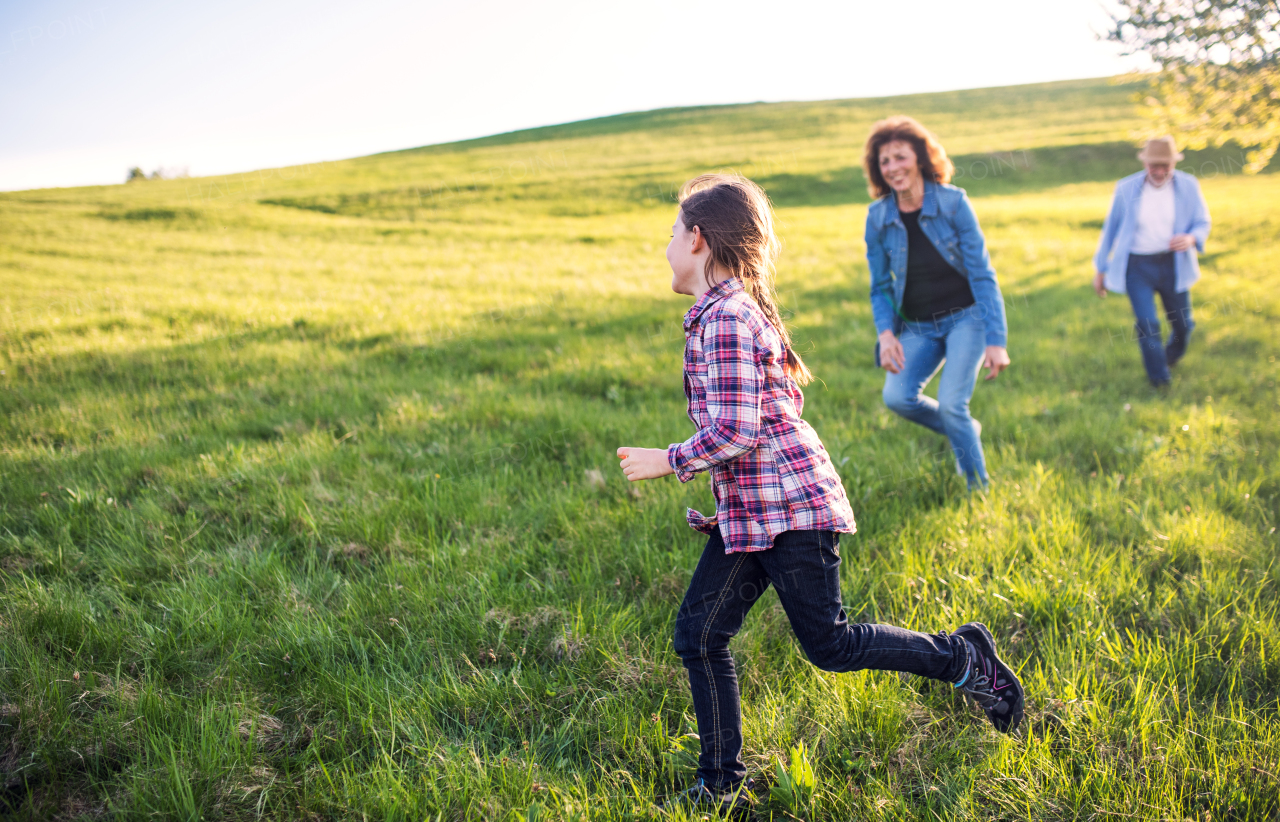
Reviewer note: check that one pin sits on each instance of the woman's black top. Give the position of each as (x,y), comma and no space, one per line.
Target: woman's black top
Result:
(934,289)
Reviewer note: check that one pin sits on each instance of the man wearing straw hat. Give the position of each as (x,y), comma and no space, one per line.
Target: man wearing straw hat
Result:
(1151,239)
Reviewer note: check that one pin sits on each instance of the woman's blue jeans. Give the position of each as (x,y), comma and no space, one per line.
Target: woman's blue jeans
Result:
(1145,276)
(959,340)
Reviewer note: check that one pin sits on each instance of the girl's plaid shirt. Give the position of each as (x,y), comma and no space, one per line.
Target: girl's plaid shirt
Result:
(769,471)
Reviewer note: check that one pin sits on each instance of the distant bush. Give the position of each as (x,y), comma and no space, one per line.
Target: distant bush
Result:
(160,173)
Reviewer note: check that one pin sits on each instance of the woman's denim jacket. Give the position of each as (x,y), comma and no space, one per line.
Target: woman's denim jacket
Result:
(947,219)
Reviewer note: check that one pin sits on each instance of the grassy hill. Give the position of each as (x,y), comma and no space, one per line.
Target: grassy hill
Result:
(308,505)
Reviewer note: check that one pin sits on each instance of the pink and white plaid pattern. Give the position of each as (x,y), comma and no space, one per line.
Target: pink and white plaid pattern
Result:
(769,471)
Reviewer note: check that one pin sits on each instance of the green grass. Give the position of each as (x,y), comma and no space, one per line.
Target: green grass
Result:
(308,505)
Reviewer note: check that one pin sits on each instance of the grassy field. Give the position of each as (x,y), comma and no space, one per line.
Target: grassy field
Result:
(308,505)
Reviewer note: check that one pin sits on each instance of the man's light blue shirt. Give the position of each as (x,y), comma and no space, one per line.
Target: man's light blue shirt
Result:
(1190,216)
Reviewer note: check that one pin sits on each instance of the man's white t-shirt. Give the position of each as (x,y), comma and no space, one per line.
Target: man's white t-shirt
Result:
(1155,219)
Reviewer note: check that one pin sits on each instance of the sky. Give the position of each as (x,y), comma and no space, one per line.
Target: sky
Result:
(89,89)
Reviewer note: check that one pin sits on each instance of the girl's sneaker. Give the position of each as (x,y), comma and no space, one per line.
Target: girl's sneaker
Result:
(990,682)
(702,798)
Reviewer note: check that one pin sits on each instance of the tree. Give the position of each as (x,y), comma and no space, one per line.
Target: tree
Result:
(1219,77)
(136,173)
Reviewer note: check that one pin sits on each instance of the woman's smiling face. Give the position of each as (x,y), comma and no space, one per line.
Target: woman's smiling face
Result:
(899,165)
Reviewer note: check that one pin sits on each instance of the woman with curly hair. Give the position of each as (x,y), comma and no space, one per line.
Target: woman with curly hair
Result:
(934,294)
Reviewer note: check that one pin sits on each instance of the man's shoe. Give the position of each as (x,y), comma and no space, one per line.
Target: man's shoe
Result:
(990,682)
(701,798)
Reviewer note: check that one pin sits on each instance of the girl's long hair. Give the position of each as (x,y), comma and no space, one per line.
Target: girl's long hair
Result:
(736,219)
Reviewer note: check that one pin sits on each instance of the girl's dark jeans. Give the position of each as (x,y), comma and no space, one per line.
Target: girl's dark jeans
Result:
(804,568)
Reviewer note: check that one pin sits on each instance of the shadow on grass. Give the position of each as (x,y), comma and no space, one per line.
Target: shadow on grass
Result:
(338,381)
(494,396)
(1021,171)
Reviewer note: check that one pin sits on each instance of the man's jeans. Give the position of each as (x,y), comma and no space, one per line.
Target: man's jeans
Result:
(959,339)
(804,568)
(1145,276)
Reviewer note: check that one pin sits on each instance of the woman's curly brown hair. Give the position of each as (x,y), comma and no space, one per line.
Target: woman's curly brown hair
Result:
(932,157)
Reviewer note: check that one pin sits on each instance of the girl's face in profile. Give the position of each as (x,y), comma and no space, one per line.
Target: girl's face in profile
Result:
(899,165)
(685,255)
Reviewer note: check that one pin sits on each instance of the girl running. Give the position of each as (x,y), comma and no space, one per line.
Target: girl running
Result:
(780,506)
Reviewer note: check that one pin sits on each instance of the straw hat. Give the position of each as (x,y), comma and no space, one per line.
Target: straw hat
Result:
(1160,150)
